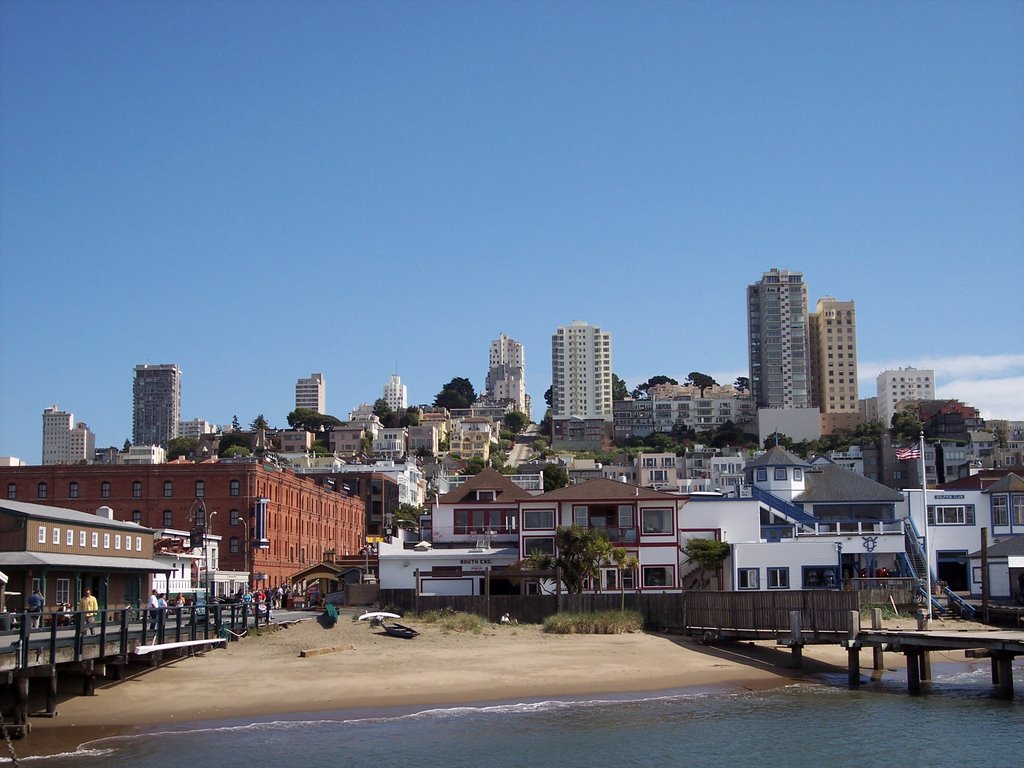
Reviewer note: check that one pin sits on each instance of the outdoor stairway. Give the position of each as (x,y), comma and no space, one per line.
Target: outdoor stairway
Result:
(794,513)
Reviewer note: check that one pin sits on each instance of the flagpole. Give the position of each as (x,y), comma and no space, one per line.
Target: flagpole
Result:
(924,512)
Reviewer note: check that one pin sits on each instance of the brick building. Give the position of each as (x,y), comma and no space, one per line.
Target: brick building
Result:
(271,523)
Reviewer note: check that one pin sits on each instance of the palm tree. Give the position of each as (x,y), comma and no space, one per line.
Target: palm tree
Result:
(623,562)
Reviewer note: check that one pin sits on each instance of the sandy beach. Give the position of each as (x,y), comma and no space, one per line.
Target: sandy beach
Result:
(264,675)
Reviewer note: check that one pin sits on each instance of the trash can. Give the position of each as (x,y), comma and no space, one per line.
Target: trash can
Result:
(6,622)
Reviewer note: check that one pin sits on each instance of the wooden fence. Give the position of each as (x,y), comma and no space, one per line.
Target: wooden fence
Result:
(728,612)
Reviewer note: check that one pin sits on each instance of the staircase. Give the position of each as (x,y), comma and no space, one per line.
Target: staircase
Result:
(914,560)
(794,513)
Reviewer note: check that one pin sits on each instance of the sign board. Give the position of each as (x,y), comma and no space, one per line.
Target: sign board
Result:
(374,539)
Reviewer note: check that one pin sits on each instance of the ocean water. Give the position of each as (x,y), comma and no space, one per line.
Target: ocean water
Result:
(958,723)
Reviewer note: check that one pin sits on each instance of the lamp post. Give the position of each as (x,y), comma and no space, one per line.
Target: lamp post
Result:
(839,573)
(248,580)
(207,550)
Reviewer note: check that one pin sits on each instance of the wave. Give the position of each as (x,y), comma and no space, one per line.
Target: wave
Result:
(82,752)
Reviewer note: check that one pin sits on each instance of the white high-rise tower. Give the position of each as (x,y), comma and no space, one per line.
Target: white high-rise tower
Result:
(506,376)
(581,372)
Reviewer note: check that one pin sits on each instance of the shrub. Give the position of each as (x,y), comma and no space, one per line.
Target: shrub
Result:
(448,620)
(601,623)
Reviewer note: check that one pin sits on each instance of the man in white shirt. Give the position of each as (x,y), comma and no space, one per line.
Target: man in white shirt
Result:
(154,608)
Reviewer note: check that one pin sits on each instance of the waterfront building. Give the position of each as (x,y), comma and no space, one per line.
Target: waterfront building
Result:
(778,349)
(902,385)
(157,404)
(311,393)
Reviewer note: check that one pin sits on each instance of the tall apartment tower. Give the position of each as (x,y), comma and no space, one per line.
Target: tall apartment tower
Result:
(65,442)
(833,326)
(506,377)
(157,404)
(581,372)
(777,332)
(311,393)
(902,384)
(396,394)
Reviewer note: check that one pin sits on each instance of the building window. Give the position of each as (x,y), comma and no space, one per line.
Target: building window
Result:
(780,473)
(95,539)
(138,543)
(12,491)
(234,545)
(105,489)
(137,516)
(137,489)
(69,540)
(63,591)
(778,578)
(542,545)
(1018,511)
(200,489)
(72,490)
(117,541)
(748,578)
(42,534)
(41,491)
(81,538)
(761,475)
(168,489)
(657,576)
(1000,511)
(56,535)
(127,543)
(236,488)
(106,541)
(657,520)
(951,515)
(534,519)
(798,474)
(235,517)
(168,519)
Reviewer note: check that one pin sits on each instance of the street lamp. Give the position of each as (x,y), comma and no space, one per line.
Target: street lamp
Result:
(207,550)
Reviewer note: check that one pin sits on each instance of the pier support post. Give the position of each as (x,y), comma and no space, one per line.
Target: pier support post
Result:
(796,634)
(797,657)
(877,654)
(1004,666)
(913,673)
(20,700)
(853,667)
(926,665)
(89,685)
(51,695)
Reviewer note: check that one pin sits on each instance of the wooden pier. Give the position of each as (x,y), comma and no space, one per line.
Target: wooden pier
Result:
(65,643)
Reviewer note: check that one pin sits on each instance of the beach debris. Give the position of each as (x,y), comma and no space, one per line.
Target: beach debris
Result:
(323,651)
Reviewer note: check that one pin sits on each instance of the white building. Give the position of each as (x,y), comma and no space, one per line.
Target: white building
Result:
(391,443)
(581,372)
(65,442)
(311,393)
(196,428)
(779,348)
(902,384)
(396,395)
(506,377)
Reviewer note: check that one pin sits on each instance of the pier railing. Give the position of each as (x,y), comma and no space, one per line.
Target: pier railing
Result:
(30,639)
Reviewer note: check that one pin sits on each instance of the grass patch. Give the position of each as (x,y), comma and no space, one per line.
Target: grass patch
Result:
(601,623)
(448,620)
(887,613)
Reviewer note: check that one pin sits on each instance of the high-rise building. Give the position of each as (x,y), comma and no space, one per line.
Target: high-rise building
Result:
(506,378)
(396,395)
(157,404)
(65,442)
(902,384)
(777,332)
(311,393)
(833,328)
(581,372)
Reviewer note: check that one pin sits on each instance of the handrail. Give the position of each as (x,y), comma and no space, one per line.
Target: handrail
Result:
(792,511)
(963,608)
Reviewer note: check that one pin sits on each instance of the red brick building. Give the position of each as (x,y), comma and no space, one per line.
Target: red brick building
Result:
(272,523)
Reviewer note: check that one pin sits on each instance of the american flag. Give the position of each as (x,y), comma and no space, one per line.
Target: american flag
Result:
(906,454)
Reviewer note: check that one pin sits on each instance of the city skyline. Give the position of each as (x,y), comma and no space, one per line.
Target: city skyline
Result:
(634,166)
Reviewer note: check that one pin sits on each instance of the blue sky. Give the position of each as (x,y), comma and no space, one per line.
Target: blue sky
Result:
(257,191)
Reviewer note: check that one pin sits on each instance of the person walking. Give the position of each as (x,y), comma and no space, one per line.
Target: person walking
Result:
(88,606)
(154,608)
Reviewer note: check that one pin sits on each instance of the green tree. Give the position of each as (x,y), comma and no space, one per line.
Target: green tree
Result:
(235,425)
(516,421)
(312,421)
(777,438)
(235,451)
(701,380)
(707,554)
(555,476)
(259,423)
(381,409)
(641,391)
(742,384)
(619,389)
(233,439)
(906,425)
(474,466)
(548,393)
(407,517)
(581,552)
(181,446)
(457,393)
(411,417)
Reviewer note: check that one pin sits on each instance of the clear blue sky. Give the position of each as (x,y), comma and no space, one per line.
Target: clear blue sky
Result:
(257,191)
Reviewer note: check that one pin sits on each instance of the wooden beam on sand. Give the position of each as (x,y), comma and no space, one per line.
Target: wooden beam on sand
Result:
(323,651)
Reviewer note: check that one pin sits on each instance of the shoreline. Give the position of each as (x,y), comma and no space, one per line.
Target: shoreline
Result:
(262,678)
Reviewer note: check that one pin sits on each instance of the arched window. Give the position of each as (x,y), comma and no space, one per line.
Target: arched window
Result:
(136,516)
(136,489)
(235,545)
(168,489)
(105,489)
(236,488)
(72,490)
(168,519)
(12,491)
(41,491)
(200,489)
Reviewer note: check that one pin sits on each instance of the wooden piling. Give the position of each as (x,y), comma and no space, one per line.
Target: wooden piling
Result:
(913,673)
